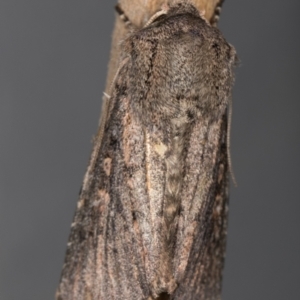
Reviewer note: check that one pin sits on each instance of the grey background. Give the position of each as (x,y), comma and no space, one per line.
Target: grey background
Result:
(53,57)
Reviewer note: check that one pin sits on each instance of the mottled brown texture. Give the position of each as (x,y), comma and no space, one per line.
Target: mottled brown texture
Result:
(151,218)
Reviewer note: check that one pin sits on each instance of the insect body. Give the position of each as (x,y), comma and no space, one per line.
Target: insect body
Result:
(151,218)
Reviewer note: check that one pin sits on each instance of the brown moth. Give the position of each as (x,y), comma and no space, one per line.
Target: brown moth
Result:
(151,218)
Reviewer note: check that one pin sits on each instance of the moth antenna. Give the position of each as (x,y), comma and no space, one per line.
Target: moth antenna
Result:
(228,142)
(123,16)
(215,19)
(164,10)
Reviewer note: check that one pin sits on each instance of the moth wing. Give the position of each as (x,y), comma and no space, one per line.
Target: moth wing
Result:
(106,253)
(202,224)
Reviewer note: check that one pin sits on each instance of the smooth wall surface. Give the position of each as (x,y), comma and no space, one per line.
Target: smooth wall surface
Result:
(53,62)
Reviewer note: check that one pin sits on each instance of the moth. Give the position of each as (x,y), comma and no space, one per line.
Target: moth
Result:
(151,218)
